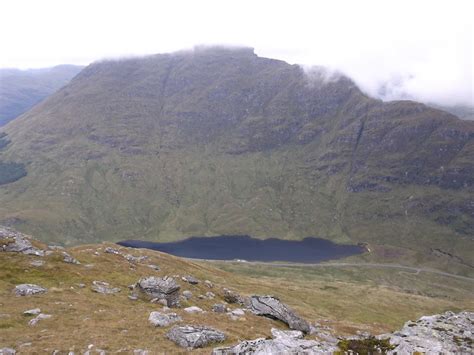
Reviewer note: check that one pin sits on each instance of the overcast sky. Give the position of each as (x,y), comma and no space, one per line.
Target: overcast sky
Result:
(418,48)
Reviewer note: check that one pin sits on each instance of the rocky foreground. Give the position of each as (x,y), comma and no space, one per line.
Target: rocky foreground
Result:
(186,312)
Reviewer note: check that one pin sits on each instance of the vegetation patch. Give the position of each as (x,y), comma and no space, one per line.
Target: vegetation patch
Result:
(370,345)
(10,172)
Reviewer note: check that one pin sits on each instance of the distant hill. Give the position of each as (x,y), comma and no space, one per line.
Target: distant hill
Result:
(220,141)
(463,112)
(22,89)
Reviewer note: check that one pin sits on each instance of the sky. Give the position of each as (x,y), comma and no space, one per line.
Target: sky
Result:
(415,49)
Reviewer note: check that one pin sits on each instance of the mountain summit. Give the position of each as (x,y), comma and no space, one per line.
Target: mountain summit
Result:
(221,141)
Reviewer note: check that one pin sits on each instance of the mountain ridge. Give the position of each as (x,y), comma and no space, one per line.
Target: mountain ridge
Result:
(220,141)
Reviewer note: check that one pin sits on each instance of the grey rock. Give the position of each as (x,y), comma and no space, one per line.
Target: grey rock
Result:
(69,259)
(190,279)
(29,289)
(219,308)
(194,336)
(154,267)
(210,295)
(187,294)
(239,312)
(104,288)
(271,307)
(37,263)
(141,352)
(39,317)
(164,288)
(13,241)
(132,297)
(32,312)
(283,342)
(447,333)
(7,351)
(110,250)
(234,297)
(208,284)
(193,309)
(135,259)
(163,319)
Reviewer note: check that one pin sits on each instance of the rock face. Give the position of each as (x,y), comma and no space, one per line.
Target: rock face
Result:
(12,241)
(271,307)
(194,336)
(29,289)
(159,319)
(104,288)
(442,333)
(283,342)
(164,288)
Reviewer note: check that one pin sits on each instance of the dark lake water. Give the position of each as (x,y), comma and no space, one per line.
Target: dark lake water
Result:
(308,250)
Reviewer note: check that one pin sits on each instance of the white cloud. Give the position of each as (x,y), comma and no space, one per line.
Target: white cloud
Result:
(424,47)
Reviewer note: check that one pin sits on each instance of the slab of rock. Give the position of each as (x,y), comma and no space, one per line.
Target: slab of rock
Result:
(194,336)
(193,309)
(271,307)
(104,288)
(219,308)
(67,258)
(7,351)
(190,279)
(447,333)
(164,288)
(32,312)
(13,241)
(29,289)
(283,342)
(163,319)
(39,317)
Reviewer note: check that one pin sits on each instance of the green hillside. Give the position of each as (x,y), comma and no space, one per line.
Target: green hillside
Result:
(219,141)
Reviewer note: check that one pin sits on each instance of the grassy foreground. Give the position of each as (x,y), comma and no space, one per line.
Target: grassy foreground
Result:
(346,300)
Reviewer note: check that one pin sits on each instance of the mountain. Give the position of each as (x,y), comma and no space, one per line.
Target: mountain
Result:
(220,141)
(22,89)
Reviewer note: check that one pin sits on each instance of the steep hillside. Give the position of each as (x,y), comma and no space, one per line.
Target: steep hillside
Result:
(90,298)
(22,89)
(220,141)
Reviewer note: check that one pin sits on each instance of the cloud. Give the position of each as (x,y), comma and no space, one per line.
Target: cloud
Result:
(392,49)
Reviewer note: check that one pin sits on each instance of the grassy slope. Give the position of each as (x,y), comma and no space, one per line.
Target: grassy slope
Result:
(166,147)
(346,300)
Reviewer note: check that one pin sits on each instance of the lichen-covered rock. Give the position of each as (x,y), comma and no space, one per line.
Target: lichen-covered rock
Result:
(13,241)
(104,288)
(194,336)
(159,319)
(270,306)
(190,279)
(447,333)
(283,342)
(164,288)
(29,289)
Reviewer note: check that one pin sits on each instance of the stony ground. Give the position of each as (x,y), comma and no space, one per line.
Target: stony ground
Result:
(107,298)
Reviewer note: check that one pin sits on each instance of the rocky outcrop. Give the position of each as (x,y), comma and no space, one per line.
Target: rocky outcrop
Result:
(13,241)
(159,319)
(159,288)
(283,342)
(29,289)
(271,307)
(194,336)
(104,288)
(447,333)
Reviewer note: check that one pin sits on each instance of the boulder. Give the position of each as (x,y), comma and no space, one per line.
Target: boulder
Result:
(110,250)
(67,258)
(39,317)
(7,351)
(13,241)
(29,289)
(193,309)
(190,279)
(104,288)
(283,342)
(187,294)
(164,288)
(208,284)
(163,319)
(194,336)
(37,263)
(219,308)
(271,307)
(232,297)
(32,312)
(239,312)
